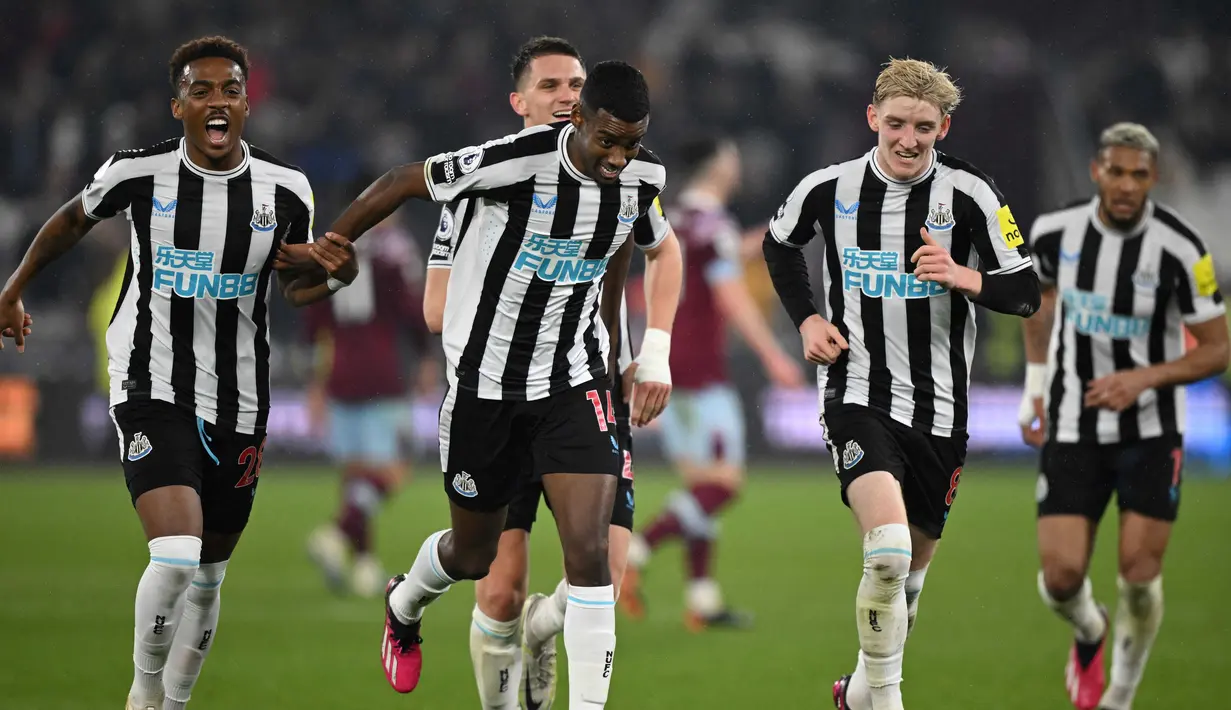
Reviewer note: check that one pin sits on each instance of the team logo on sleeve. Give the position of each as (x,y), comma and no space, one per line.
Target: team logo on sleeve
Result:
(444,233)
(1203,273)
(264,219)
(1009,232)
(628,210)
(940,218)
(469,159)
(139,447)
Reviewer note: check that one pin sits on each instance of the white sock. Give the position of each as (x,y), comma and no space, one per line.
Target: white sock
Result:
(547,618)
(195,635)
(589,641)
(495,651)
(424,583)
(703,596)
(1138,617)
(858,694)
(1080,611)
(881,612)
(173,562)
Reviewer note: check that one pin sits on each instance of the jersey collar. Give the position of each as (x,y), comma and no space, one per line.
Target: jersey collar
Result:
(565,160)
(1110,231)
(876,170)
(243,164)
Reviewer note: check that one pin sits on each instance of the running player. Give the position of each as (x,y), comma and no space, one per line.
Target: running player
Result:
(188,344)
(547,73)
(913,239)
(1123,278)
(361,391)
(527,355)
(703,429)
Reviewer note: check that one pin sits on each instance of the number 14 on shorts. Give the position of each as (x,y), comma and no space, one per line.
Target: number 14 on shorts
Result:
(597,401)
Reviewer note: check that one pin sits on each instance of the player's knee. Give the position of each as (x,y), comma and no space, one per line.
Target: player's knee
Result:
(586,563)
(500,599)
(471,562)
(1061,581)
(1142,597)
(886,558)
(176,559)
(207,584)
(1140,568)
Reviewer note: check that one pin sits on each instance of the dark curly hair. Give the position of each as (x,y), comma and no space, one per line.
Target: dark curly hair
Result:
(619,88)
(201,48)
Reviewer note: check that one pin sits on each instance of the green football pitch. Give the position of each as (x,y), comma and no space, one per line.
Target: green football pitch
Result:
(73,552)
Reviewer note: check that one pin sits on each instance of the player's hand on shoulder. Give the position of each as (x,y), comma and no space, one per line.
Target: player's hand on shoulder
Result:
(14,322)
(823,342)
(336,254)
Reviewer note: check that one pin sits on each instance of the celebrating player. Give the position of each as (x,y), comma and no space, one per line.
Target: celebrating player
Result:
(1123,277)
(913,239)
(703,429)
(360,391)
(548,74)
(527,355)
(188,344)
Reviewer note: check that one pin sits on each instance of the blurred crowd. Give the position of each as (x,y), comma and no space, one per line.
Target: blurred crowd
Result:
(345,90)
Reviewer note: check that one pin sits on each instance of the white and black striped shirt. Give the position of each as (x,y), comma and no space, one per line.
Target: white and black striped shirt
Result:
(457,216)
(1123,298)
(911,342)
(191,325)
(528,253)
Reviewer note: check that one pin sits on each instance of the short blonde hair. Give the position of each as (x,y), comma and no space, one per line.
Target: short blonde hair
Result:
(917,80)
(1129,135)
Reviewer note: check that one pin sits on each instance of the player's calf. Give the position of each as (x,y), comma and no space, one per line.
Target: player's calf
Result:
(195,636)
(496,653)
(881,610)
(160,597)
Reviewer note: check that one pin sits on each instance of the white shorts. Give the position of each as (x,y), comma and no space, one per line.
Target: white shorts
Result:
(704,427)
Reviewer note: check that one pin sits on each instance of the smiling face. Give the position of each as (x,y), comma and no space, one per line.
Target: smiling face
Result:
(907,130)
(603,144)
(549,89)
(213,105)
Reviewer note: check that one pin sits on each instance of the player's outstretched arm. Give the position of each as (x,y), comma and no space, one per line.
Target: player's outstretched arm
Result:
(651,371)
(59,234)
(381,198)
(336,257)
(738,307)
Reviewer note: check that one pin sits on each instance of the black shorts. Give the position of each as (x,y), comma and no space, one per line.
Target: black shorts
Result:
(163,444)
(1078,479)
(928,467)
(487,447)
(524,508)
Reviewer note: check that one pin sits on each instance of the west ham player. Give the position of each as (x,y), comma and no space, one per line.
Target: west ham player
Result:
(703,429)
(913,239)
(361,393)
(548,74)
(527,354)
(188,344)
(1123,278)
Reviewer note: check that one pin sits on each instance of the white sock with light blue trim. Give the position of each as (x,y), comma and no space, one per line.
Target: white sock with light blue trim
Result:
(589,641)
(195,636)
(881,612)
(424,583)
(495,652)
(160,593)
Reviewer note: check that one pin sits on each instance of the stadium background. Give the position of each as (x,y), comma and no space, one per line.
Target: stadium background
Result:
(347,89)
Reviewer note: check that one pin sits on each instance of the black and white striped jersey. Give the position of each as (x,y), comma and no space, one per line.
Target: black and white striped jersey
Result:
(191,325)
(911,342)
(528,237)
(1123,300)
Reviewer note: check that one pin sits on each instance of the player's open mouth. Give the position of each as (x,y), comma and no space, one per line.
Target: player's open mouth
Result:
(607,171)
(906,156)
(216,130)
(563,114)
